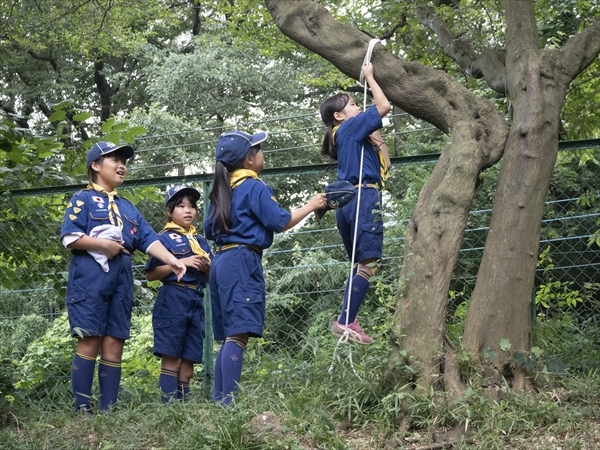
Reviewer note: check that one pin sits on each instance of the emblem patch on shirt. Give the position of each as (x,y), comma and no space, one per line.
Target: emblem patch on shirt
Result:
(273,198)
(175,237)
(76,210)
(133,231)
(69,205)
(80,203)
(72,217)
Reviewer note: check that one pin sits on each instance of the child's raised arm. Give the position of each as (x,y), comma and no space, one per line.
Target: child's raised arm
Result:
(381,101)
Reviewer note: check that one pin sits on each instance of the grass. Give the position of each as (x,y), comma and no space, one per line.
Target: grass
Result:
(294,402)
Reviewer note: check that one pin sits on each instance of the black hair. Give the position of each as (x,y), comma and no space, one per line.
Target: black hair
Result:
(328,108)
(220,195)
(177,199)
(92,174)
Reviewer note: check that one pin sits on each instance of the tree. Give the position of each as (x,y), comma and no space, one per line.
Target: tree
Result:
(515,59)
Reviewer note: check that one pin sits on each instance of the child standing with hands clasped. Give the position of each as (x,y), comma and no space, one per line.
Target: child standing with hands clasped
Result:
(102,230)
(178,316)
(242,217)
(348,130)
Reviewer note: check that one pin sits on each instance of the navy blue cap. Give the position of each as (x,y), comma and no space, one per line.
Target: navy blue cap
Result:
(181,190)
(234,145)
(104,148)
(338,194)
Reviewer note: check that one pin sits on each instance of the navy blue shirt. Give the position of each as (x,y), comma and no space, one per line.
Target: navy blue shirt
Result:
(255,216)
(349,139)
(88,208)
(179,245)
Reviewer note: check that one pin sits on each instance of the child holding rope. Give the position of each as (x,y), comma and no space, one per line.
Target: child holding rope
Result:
(102,230)
(242,217)
(353,140)
(178,315)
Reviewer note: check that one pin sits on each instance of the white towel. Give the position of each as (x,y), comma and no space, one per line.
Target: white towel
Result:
(111,232)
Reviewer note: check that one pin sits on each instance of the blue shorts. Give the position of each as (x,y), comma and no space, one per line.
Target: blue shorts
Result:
(369,239)
(178,323)
(237,293)
(99,303)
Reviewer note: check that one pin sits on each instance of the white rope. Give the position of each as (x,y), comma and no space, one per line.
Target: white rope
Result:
(344,337)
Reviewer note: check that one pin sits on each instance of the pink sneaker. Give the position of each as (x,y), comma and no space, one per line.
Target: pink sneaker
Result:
(355,332)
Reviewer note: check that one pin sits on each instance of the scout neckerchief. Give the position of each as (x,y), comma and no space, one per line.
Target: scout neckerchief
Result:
(113,210)
(384,169)
(190,234)
(241,175)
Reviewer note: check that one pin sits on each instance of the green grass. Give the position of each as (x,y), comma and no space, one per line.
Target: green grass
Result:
(314,409)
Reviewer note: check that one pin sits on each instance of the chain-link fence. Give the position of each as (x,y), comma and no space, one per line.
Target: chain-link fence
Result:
(305,269)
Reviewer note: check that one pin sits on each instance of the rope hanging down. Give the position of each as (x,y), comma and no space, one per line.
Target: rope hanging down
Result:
(344,337)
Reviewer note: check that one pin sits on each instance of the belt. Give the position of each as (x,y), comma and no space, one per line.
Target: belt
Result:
(368,185)
(177,283)
(224,248)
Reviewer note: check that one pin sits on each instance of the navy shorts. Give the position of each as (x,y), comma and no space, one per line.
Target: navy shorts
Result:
(237,293)
(178,323)
(369,239)
(99,303)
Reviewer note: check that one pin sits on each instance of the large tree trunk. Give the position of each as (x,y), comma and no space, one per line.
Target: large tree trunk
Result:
(501,301)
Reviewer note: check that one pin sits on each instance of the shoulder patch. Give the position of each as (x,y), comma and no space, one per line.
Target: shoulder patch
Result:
(76,210)
(80,203)
(72,217)
(273,198)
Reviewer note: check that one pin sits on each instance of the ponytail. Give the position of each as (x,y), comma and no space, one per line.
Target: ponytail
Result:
(328,108)
(220,200)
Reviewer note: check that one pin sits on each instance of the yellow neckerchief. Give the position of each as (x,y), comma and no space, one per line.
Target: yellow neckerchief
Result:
(384,169)
(190,234)
(240,175)
(113,210)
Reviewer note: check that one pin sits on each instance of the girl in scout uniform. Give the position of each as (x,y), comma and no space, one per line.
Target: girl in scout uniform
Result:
(242,217)
(100,293)
(348,131)
(178,316)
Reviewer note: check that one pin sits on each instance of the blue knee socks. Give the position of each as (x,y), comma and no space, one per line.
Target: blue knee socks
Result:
(218,384)
(360,286)
(82,376)
(109,377)
(232,358)
(167,381)
(183,391)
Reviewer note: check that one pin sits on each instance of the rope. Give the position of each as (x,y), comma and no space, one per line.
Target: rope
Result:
(344,337)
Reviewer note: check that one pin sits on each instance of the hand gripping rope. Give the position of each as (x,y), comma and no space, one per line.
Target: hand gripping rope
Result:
(344,337)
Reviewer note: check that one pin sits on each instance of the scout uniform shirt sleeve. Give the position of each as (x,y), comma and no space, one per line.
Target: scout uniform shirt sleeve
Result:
(270,213)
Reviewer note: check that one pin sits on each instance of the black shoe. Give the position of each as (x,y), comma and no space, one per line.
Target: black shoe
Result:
(84,410)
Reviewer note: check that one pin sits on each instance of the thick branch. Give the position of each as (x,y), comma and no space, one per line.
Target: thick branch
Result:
(489,64)
(44,58)
(580,50)
(426,93)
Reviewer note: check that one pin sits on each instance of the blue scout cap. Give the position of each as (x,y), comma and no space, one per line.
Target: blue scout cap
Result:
(234,145)
(181,190)
(104,148)
(338,194)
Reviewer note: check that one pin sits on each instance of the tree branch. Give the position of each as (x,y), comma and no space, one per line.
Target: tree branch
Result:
(44,58)
(580,50)
(489,64)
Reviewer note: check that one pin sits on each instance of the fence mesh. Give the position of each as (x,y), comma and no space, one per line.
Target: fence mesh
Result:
(305,269)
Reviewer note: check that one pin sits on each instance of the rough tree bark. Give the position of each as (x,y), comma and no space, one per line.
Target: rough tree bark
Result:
(537,81)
